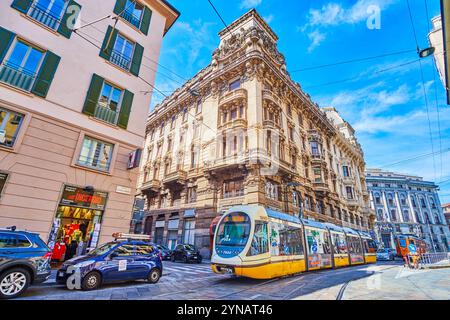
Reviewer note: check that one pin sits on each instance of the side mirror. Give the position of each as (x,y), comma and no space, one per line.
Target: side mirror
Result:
(113,255)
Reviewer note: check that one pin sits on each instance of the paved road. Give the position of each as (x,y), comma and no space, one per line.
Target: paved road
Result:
(388,280)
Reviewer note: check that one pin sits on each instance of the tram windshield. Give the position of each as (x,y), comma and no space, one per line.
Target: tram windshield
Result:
(233,230)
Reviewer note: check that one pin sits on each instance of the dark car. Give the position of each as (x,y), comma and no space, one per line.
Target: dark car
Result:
(186,253)
(116,261)
(24,260)
(166,253)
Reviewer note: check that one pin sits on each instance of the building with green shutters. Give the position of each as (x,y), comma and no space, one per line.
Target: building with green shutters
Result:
(72,112)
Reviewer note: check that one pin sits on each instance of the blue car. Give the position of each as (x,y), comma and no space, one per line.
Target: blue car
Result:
(24,260)
(116,261)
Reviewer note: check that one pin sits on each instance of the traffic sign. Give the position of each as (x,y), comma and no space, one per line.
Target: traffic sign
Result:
(412,248)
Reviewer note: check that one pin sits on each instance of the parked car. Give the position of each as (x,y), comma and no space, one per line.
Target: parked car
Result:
(186,253)
(128,258)
(386,254)
(166,253)
(24,260)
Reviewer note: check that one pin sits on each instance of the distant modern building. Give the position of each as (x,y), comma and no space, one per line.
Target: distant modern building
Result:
(446,209)
(406,204)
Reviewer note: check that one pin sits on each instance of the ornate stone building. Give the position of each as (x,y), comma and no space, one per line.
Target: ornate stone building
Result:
(405,204)
(241,131)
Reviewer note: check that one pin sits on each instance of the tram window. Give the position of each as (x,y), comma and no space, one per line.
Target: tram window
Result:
(318,242)
(339,243)
(260,242)
(354,245)
(370,246)
(402,243)
(234,230)
(285,240)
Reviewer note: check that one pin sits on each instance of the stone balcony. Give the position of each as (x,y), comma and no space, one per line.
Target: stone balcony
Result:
(238,95)
(317,158)
(320,186)
(152,185)
(348,180)
(233,124)
(178,176)
(270,96)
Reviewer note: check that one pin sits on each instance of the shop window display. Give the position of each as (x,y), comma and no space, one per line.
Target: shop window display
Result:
(77,223)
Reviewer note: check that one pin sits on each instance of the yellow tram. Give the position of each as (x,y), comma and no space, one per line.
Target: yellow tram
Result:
(260,243)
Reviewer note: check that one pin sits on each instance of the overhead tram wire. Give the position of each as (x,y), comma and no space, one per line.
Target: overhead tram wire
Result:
(220,17)
(423,85)
(359,76)
(435,93)
(415,158)
(352,61)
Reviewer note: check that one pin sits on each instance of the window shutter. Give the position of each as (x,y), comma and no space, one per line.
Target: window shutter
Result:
(22,5)
(6,38)
(125,109)
(93,95)
(112,33)
(120,6)
(68,20)
(137,59)
(145,25)
(46,74)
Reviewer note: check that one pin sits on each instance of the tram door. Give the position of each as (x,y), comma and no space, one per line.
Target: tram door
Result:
(318,248)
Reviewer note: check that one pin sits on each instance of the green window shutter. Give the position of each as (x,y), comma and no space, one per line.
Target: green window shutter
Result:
(112,33)
(93,95)
(120,6)
(145,25)
(22,5)
(6,38)
(68,20)
(125,109)
(137,59)
(46,73)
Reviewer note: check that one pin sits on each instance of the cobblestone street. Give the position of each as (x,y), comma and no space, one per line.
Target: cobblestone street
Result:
(389,280)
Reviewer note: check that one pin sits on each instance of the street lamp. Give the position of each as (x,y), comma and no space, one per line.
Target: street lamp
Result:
(426,52)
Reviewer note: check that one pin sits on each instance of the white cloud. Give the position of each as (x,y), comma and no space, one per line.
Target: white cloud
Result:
(247,4)
(269,18)
(335,14)
(316,38)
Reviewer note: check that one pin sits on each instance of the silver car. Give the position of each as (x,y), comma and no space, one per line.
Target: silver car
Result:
(386,254)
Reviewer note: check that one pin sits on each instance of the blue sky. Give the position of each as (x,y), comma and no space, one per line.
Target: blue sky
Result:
(387,108)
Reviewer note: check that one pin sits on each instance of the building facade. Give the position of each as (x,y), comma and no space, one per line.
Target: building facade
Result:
(406,204)
(71,114)
(241,131)
(446,210)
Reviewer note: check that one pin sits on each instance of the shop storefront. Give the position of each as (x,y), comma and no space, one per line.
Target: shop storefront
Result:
(76,227)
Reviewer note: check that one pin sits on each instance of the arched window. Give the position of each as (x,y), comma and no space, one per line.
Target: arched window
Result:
(418,219)
(406,215)
(403,199)
(433,204)
(422,203)
(380,215)
(393,215)
(377,198)
(390,199)
(436,218)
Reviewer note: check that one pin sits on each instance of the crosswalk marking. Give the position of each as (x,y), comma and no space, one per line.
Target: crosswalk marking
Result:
(188,270)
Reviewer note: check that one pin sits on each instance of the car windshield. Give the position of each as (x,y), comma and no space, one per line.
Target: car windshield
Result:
(233,230)
(382,251)
(103,249)
(190,247)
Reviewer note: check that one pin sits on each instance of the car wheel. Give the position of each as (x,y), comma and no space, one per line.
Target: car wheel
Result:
(91,281)
(199,260)
(154,275)
(172,258)
(13,283)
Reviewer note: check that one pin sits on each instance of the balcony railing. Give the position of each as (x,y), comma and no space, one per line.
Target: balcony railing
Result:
(44,16)
(120,60)
(131,18)
(16,76)
(105,114)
